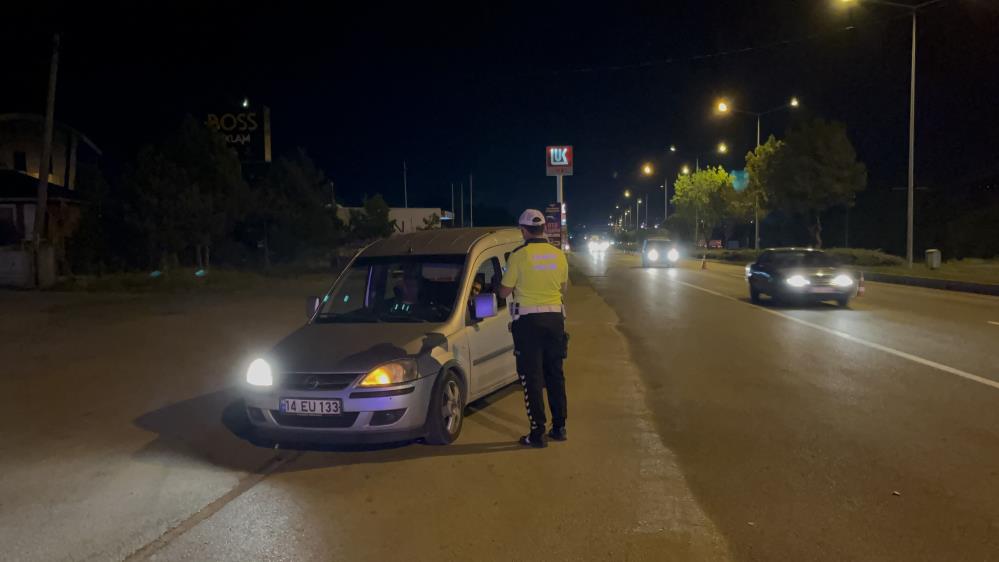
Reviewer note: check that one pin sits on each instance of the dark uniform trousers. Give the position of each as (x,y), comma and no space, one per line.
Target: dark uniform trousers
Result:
(540,346)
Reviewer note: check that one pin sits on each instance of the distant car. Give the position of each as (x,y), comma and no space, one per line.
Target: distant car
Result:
(800,274)
(596,243)
(659,252)
(715,244)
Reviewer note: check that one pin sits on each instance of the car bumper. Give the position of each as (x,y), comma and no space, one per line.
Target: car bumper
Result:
(382,415)
(819,293)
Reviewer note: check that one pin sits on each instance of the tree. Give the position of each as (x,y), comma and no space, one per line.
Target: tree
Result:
(814,169)
(430,223)
(372,221)
(292,210)
(703,199)
(186,193)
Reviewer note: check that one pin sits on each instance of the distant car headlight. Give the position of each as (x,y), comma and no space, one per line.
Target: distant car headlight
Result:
(797,281)
(842,280)
(673,255)
(259,373)
(653,255)
(592,246)
(395,372)
(604,245)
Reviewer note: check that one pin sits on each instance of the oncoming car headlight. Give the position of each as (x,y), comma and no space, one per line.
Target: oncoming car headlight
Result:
(396,372)
(653,255)
(842,280)
(797,281)
(673,255)
(259,373)
(592,246)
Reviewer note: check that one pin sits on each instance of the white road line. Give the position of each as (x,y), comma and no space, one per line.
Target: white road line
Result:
(993,322)
(855,339)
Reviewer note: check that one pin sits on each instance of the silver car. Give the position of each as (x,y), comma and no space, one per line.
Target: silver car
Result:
(409,333)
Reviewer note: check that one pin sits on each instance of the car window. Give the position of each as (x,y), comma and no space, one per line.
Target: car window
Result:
(766,258)
(805,259)
(487,279)
(395,289)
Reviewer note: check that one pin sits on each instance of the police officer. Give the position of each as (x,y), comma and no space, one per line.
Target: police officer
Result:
(537,273)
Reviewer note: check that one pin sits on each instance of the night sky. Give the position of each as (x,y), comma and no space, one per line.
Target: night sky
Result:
(482,88)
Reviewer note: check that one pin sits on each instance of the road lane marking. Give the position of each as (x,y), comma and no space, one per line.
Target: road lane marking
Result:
(855,339)
(993,322)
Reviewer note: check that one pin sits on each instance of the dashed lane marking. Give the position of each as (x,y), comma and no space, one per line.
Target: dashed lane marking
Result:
(914,358)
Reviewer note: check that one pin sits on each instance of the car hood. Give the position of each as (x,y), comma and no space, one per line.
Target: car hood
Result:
(811,271)
(348,348)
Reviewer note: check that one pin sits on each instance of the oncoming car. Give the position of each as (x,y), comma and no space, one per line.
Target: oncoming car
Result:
(659,252)
(407,335)
(596,244)
(800,274)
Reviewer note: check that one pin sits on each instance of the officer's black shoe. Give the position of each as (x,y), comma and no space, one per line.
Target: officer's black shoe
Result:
(558,433)
(536,441)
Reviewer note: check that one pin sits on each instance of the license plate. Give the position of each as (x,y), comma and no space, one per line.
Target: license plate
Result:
(309,407)
(824,290)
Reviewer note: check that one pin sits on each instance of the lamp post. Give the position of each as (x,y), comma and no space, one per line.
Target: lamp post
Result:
(724,107)
(910,202)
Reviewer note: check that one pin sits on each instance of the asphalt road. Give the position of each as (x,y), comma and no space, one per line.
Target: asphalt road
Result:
(702,427)
(819,433)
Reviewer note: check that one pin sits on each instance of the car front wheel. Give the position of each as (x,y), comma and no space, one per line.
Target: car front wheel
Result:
(754,295)
(447,410)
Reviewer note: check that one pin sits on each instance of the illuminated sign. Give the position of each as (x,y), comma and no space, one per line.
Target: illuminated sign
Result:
(247,131)
(558,160)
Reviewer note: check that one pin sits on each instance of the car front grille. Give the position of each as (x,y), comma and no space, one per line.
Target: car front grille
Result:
(317,381)
(341,421)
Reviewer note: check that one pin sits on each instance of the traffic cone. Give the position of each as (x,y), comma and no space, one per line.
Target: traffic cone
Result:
(860,285)
(704,261)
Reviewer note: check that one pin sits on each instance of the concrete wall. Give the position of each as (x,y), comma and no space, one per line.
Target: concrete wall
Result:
(26,136)
(17,267)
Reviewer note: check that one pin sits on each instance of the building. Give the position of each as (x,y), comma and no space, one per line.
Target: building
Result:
(407,219)
(20,165)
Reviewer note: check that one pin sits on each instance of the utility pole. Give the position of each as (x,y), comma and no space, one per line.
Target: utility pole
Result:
(405,187)
(471,202)
(910,205)
(452,204)
(756,209)
(461,188)
(44,164)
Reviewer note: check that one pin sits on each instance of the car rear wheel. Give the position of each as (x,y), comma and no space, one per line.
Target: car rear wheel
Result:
(447,410)
(754,295)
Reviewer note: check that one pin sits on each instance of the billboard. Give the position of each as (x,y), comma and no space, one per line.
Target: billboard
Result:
(247,130)
(553,224)
(558,160)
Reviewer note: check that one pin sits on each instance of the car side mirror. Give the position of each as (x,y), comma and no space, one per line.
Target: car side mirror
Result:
(484,305)
(311,306)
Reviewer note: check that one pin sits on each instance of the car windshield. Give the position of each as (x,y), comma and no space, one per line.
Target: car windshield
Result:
(659,244)
(395,289)
(804,259)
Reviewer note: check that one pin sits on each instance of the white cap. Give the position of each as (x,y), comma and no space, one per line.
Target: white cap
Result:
(531,217)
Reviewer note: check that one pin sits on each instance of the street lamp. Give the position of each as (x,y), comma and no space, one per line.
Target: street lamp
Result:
(672,148)
(722,148)
(910,203)
(724,107)
(627,193)
(685,169)
(647,169)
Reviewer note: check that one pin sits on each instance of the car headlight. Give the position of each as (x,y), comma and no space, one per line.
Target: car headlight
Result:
(395,372)
(604,245)
(259,373)
(653,255)
(842,280)
(592,246)
(797,281)
(673,255)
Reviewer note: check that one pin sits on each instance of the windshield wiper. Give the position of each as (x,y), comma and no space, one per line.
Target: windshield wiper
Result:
(352,316)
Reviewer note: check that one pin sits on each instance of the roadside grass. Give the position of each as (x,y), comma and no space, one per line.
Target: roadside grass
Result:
(971,270)
(184,280)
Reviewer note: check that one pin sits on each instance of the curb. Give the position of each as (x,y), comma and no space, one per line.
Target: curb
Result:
(930,283)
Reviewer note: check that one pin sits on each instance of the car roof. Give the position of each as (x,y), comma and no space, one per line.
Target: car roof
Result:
(443,241)
(658,240)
